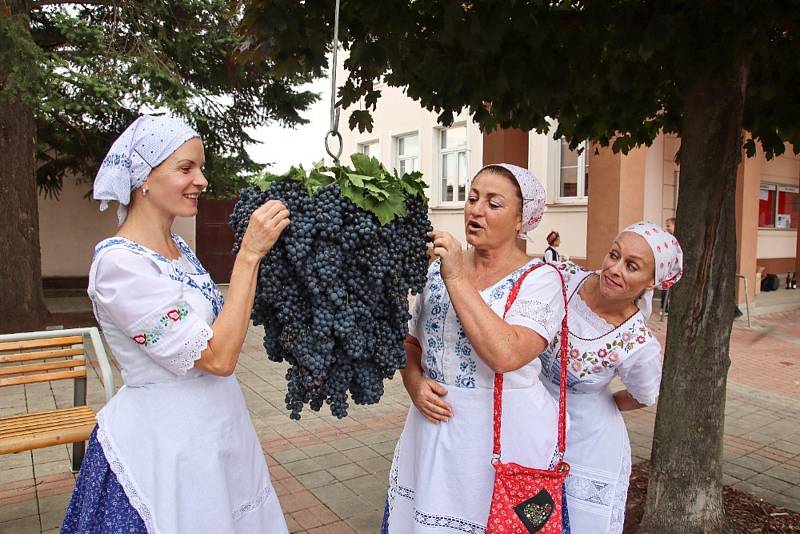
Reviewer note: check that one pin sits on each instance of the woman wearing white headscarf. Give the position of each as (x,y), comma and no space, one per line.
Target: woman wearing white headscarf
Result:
(174,451)
(608,337)
(441,478)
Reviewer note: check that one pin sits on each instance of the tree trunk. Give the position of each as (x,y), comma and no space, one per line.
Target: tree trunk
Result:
(22,304)
(684,495)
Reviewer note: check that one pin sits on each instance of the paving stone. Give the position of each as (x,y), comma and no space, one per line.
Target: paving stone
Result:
(301,467)
(347,471)
(289,455)
(770,483)
(344,444)
(792,476)
(367,522)
(341,500)
(320,449)
(360,453)
(25,525)
(333,459)
(18,510)
(754,463)
(316,479)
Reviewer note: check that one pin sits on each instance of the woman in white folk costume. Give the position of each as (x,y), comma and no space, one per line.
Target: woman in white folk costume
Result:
(608,337)
(174,451)
(441,478)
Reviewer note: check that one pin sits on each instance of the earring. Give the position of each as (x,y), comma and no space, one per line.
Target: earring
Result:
(144,191)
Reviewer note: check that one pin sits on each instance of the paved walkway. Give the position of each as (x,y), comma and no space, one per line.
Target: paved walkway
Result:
(331,475)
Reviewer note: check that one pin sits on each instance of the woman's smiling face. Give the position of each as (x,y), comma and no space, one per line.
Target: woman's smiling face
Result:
(628,269)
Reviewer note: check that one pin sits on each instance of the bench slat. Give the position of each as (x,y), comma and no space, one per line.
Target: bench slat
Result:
(46,439)
(40,343)
(39,355)
(38,367)
(44,377)
(44,427)
(36,420)
(43,413)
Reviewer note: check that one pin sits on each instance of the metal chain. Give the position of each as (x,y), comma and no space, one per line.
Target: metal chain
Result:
(334,130)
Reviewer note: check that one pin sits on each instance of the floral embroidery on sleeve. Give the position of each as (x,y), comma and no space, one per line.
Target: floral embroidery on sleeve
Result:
(150,337)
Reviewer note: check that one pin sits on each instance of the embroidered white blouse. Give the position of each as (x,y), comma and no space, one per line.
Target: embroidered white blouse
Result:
(180,441)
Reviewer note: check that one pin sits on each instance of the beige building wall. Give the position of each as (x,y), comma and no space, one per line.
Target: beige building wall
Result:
(70,227)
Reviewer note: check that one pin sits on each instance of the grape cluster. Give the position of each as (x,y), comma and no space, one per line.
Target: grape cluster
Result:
(332,293)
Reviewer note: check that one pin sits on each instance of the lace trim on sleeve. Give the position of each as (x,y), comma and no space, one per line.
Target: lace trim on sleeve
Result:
(535,310)
(192,349)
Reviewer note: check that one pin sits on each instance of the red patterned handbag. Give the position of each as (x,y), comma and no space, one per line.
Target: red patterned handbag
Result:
(527,500)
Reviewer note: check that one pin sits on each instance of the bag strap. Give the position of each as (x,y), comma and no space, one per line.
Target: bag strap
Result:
(562,395)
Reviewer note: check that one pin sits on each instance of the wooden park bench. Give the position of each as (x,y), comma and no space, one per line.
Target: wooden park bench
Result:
(34,357)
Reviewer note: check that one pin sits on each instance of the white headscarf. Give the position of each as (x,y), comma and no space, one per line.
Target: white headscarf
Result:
(145,144)
(668,255)
(533,196)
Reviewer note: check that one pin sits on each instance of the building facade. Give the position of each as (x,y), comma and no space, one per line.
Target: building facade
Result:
(592,193)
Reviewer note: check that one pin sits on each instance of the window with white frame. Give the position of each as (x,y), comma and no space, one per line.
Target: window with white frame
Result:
(406,155)
(573,172)
(453,164)
(369,148)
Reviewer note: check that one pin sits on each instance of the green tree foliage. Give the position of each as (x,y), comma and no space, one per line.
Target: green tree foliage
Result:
(93,67)
(617,72)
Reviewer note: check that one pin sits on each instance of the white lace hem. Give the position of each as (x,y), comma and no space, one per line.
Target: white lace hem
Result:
(124,479)
(192,351)
(261,497)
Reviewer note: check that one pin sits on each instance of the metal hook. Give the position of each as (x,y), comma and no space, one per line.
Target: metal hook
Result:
(333,133)
(334,130)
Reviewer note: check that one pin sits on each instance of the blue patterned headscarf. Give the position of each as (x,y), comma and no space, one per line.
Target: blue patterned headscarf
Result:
(145,144)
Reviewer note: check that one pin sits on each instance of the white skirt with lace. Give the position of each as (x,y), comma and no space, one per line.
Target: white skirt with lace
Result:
(188,458)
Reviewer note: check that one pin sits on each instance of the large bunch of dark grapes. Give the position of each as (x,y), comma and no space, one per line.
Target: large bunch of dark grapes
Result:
(332,293)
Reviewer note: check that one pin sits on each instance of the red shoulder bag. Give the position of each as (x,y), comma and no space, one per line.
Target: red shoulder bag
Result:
(527,500)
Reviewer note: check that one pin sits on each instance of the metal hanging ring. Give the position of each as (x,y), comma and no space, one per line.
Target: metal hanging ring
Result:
(334,131)
(338,136)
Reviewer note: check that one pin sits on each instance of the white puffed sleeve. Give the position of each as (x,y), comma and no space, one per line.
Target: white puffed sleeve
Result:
(641,372)
(149,307)
(539,304)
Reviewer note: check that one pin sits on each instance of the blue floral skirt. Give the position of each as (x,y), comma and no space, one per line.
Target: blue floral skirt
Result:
(99,504)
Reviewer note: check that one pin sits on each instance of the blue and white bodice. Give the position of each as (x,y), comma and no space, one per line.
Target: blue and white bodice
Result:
(447,354)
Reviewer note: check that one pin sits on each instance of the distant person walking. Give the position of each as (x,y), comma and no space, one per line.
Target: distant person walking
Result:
(551,254)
